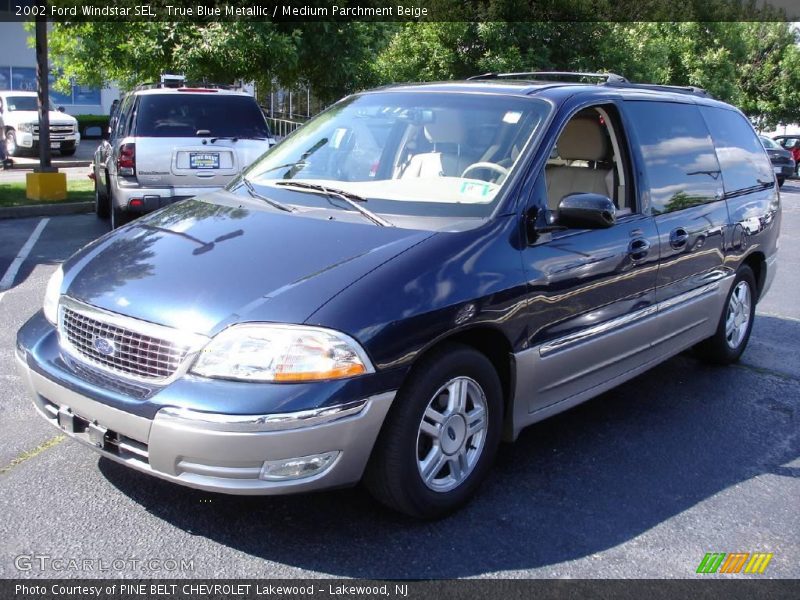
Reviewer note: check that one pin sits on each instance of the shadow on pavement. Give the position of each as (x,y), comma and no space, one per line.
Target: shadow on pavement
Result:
(61,237)
(579,483)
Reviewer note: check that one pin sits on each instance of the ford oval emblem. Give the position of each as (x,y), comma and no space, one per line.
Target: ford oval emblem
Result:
(104,346)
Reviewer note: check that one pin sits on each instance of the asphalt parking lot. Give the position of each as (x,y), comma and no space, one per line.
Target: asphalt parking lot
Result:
(638,483)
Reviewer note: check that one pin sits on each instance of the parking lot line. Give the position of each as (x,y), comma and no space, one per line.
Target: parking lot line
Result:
(8,279)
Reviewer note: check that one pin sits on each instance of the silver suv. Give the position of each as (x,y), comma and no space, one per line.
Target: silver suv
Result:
(168,143)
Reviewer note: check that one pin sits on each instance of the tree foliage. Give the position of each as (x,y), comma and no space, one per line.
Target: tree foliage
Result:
(754,65)
(333,58)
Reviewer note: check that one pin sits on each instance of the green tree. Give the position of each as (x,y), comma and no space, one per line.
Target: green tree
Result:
(753,65)
(333,58)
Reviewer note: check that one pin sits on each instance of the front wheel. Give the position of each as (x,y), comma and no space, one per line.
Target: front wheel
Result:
(441,435)
(11,143)
(735,324)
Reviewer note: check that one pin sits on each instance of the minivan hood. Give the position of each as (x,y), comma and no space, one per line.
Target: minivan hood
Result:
(203,264)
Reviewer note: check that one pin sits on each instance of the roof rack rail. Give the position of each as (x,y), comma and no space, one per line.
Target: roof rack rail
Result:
(184,84)
(608,77)
(679,89)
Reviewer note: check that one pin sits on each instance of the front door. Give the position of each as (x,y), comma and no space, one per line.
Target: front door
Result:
(591,291)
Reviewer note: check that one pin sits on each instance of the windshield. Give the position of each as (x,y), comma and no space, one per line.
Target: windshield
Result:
(410,153)
(191,114)
(768,143)
(22,103)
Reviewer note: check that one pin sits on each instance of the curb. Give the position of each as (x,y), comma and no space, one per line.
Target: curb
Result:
(61,165)
(45,210)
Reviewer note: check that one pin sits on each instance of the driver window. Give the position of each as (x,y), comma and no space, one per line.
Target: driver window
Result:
(588,158)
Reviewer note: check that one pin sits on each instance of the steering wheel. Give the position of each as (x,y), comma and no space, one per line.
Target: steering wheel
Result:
(501,170)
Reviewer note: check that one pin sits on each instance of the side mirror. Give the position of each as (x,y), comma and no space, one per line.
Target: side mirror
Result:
(60,109)
(592,211)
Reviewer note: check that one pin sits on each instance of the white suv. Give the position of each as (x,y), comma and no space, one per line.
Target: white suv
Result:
(21,117)
(168,143)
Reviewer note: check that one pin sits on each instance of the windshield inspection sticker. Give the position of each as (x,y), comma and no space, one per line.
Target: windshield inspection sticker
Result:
(473,188)
(512,117)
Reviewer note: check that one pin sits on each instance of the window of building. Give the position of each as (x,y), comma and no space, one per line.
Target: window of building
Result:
(23,79)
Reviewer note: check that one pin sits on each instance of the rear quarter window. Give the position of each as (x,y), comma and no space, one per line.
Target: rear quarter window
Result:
(191,114)
(741,155)
(678,154)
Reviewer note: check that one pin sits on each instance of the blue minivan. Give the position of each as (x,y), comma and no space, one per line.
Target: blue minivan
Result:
(414,275)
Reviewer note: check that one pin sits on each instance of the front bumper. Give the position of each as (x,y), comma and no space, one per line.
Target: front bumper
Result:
(211,451)
(31,141)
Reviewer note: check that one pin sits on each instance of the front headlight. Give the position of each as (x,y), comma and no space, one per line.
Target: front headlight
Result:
(26,127)
(284,353)
(52,294)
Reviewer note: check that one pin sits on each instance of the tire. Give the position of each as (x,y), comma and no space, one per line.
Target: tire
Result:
(406,442)
(781,181)
(733,332)
(11,144)
(119,217)
(101,205)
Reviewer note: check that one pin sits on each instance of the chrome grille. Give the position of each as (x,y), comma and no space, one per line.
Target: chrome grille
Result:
(56,129)
(134,353)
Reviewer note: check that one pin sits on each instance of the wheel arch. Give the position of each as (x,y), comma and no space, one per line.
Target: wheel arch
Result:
(758,264)
(492,343)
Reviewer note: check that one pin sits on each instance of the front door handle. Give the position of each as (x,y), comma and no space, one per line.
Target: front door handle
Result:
(678,238)
(638,248)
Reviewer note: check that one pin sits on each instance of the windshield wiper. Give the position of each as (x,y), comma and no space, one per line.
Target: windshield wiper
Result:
(270,201)
(223,137)
(299,165)
(348,197)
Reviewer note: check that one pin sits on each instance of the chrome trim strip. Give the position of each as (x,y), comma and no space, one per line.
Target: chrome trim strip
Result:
(259,423)
(194,341)
(584,335)
(690,295)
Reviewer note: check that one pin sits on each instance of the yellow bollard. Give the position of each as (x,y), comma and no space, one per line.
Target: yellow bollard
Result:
(46,186)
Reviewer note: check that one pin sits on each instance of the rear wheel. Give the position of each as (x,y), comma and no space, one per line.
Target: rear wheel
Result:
(101,204)
(119,217)
(441,436)
(781,181)
(735,324)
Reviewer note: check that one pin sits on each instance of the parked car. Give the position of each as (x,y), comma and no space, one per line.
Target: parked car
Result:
(171,141)
(20,112)
(792,144)
(782,161)
(417,273)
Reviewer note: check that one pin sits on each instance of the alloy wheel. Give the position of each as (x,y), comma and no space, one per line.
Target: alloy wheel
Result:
(452,434)
(737,318)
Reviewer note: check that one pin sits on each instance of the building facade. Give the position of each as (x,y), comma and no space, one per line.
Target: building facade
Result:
(18,72)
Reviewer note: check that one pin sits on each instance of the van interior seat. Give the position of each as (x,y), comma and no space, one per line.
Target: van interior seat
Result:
(582,139)
(450,154)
